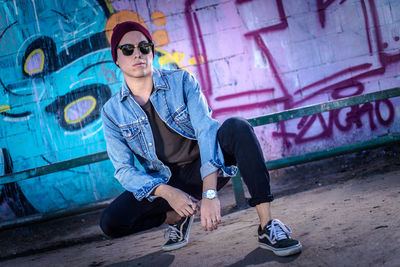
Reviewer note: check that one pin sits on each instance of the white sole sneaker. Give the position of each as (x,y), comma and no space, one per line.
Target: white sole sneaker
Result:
(283,252)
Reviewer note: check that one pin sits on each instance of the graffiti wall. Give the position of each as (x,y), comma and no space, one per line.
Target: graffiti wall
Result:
(251,57)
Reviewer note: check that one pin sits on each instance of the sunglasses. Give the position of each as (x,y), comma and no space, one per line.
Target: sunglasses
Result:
(144,47)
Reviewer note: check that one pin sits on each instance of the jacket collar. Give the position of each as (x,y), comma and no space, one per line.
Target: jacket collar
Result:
(158,81)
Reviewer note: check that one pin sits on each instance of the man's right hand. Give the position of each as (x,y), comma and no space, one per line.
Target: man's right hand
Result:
(182,203)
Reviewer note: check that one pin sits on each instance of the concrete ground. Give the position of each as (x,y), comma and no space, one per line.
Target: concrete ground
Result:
(350,221)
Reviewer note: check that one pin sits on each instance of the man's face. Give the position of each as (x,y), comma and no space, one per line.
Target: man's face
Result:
(137,65)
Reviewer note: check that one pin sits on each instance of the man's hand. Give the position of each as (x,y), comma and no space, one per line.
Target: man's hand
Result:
(210,213)
(210,208)
(182,203)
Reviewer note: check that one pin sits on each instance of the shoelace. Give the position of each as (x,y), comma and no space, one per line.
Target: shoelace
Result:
(278,231)
(172,233)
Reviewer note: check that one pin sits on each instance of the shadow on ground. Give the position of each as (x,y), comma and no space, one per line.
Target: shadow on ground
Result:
(258,256)
(159,258)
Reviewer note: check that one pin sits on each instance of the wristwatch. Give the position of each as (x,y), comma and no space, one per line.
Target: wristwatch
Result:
(210,194)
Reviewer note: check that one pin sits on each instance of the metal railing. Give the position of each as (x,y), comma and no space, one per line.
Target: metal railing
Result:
(258,121)
(322,154)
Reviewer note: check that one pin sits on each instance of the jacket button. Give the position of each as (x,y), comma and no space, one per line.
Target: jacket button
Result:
(143,118)
(128,135)
(150,144)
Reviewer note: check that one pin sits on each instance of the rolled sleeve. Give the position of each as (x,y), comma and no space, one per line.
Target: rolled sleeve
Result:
(204,125)
(208,168)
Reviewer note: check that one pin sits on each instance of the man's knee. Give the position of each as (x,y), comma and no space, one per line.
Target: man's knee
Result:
(107,225)
(236,125)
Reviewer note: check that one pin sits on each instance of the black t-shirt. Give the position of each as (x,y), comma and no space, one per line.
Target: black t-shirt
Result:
(171,147)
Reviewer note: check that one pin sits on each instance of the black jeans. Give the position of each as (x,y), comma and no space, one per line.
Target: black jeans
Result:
(126,215)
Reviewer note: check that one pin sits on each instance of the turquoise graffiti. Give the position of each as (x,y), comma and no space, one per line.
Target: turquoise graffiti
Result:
(56,74)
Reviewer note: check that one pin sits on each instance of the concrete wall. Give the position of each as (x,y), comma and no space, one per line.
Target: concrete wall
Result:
(251,57)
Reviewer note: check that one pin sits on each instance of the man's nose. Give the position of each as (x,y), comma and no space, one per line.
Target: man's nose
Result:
(136,52)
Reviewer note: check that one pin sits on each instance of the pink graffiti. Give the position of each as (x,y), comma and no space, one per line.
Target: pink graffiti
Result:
(195,32)
(353,117)
(336,90)
(322,6)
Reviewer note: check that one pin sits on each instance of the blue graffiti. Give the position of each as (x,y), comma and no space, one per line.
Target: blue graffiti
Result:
(57,72)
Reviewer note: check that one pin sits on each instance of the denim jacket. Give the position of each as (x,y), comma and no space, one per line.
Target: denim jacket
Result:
(178,100)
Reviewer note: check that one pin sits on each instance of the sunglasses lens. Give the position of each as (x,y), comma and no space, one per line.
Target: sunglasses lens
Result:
(144,48)
(127,50)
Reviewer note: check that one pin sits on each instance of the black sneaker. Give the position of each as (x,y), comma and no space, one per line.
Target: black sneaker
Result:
(275,237)
(178,234)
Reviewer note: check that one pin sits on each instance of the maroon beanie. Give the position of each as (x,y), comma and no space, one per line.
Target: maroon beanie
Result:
(120,30)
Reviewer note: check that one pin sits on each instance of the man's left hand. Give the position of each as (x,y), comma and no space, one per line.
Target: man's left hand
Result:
(210,213)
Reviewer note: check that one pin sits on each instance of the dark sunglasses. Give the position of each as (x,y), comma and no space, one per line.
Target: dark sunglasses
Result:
(144,47)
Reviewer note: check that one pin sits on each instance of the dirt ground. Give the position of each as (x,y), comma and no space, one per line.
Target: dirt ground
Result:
(350,223)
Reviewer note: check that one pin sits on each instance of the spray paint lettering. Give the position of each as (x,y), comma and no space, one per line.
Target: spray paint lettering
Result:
(380,112)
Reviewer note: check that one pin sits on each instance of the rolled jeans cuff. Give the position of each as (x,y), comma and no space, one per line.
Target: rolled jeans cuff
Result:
(255,201)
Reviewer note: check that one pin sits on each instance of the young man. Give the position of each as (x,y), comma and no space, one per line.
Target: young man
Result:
(161,118)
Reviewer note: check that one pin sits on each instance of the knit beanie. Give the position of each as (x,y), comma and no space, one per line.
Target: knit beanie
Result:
(120,30)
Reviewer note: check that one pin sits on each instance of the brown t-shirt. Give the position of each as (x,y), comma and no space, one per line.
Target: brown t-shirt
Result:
(171,147)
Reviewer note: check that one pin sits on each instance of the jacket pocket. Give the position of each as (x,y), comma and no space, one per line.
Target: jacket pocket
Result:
(182,120)
(134,138)
(181,115)
(129,132)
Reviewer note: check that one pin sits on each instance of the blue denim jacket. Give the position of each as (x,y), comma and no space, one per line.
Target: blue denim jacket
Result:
(178,100)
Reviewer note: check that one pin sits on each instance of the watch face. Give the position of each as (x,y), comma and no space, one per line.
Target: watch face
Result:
(211,194)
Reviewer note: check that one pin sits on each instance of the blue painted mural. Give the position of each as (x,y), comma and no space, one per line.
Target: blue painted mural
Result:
(56,73)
